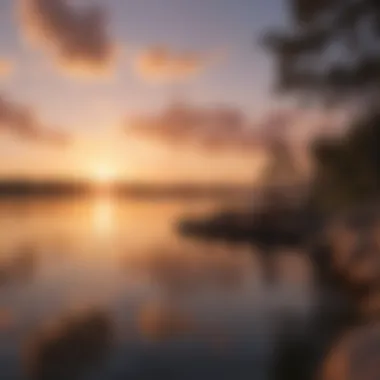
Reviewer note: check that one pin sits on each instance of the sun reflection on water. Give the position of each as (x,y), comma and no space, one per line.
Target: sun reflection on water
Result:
(104,216)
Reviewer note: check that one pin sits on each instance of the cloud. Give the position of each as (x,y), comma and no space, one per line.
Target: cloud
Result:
(227,128)
(76,38)
(213,129)
(159,63)
(6,67)
(23,121)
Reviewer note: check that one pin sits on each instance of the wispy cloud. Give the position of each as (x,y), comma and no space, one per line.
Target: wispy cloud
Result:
(76,38)
(23,121)
(162,64)
(211,128)
(226,128)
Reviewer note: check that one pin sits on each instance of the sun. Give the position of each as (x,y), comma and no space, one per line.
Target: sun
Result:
(104,174)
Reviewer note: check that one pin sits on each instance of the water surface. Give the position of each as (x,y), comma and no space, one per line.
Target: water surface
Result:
(104,288)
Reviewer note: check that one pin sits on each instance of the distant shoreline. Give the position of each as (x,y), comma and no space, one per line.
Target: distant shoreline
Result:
(21,188)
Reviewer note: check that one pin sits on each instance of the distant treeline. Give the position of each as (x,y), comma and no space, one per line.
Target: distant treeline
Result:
(135,190)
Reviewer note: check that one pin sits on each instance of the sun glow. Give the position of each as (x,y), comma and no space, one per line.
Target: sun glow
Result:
(104,174)
(103,216)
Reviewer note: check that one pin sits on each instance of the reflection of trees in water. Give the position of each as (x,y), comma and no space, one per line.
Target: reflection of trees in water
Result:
(355,356)
(19,265)
(349,253)
(67,349)
(349,273)
(346,257)
(278,224)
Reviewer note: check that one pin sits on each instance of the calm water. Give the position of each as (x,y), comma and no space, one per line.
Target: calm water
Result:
(105,289)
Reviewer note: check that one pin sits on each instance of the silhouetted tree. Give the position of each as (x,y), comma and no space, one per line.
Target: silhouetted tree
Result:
(348,170)
(331,54)
(332,51)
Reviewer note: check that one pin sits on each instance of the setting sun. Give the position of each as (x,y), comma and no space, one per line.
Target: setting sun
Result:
(104,174)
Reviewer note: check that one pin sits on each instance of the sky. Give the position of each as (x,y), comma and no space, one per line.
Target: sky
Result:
(112,87)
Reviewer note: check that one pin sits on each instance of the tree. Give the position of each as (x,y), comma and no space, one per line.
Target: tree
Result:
(348,170)
(332,51)
(331,55)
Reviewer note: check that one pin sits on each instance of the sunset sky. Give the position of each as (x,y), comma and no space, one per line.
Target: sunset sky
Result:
(96,88)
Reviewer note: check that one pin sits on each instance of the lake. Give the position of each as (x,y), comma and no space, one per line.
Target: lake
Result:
(104,288)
